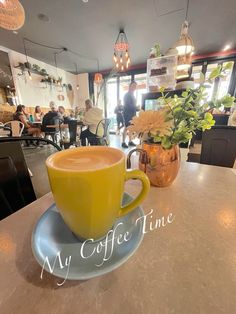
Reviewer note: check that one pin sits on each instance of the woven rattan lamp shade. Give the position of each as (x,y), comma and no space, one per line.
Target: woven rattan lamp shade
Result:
(12,14)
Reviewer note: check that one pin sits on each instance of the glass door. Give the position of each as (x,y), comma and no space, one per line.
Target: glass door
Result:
(111,97)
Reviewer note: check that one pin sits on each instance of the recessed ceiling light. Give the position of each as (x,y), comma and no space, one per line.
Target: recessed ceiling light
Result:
(85,1)
(15,32)
(226,47)
(43,17)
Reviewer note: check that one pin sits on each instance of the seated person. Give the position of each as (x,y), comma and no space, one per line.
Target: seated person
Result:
(20,116)
(79,113)
(24,111)
(52,105)
(38,114)
(92,117)
(62,114)
(50,118)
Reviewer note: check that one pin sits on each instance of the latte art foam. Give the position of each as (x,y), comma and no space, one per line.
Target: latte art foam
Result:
(85,160)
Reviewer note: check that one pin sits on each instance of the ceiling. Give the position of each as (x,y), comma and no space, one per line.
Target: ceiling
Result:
(90,29)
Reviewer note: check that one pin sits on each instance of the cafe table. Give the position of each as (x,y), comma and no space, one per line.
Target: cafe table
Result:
(64,125)
(187,266)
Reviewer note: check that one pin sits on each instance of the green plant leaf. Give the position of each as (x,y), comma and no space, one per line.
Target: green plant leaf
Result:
(228,65)
(166,143)
(184,94)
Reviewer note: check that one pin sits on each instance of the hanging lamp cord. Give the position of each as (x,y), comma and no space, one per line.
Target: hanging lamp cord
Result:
(186,15)
(61,49)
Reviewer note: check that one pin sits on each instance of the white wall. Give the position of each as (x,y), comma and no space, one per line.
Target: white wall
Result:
(83,88)
(33,92)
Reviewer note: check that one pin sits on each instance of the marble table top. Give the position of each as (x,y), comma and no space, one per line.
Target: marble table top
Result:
(185,267)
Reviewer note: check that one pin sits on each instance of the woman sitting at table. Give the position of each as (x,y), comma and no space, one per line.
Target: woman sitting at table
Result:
(28,127)
(92,117)
(38,114)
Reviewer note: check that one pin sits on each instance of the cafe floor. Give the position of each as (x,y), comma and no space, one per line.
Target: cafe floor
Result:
(35,159)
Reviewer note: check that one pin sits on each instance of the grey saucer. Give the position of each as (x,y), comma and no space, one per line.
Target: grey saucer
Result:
(53,245)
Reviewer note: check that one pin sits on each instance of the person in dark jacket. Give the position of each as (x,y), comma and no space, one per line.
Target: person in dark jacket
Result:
(50,118)
(129,112)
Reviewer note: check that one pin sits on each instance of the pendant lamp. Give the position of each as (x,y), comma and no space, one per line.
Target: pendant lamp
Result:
(121,56)
(12,14)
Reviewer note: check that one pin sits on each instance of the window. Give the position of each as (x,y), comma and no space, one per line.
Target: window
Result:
(141,80)
(224,83)
(196,74)
(210,90)
(111,96)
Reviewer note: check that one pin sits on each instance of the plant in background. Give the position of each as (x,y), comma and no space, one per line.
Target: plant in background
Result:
(181,116)
(36,68)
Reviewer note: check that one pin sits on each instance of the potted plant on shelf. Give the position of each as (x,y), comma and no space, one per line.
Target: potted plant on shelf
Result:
(162,131)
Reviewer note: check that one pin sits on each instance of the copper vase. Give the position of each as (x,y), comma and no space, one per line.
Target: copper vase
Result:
(161,165)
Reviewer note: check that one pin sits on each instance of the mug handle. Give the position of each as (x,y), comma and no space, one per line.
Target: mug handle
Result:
(143,157)
(140,175)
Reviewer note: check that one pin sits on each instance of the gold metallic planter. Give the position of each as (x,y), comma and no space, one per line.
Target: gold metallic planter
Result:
(161,165)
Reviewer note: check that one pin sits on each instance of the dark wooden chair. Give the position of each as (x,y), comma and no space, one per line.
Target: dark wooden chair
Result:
(54,133)
(16,189)
(218,147)
(72,125)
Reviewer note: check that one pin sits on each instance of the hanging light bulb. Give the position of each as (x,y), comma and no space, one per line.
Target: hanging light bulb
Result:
(117,65)
(126,54)
(115,57)
(98,78)
(121,59)
(30,77)
(128,61)
(127,65)
(76,71)
(122,68)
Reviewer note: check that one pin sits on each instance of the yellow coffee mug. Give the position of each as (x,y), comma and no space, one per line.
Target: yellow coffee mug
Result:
(88,184)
